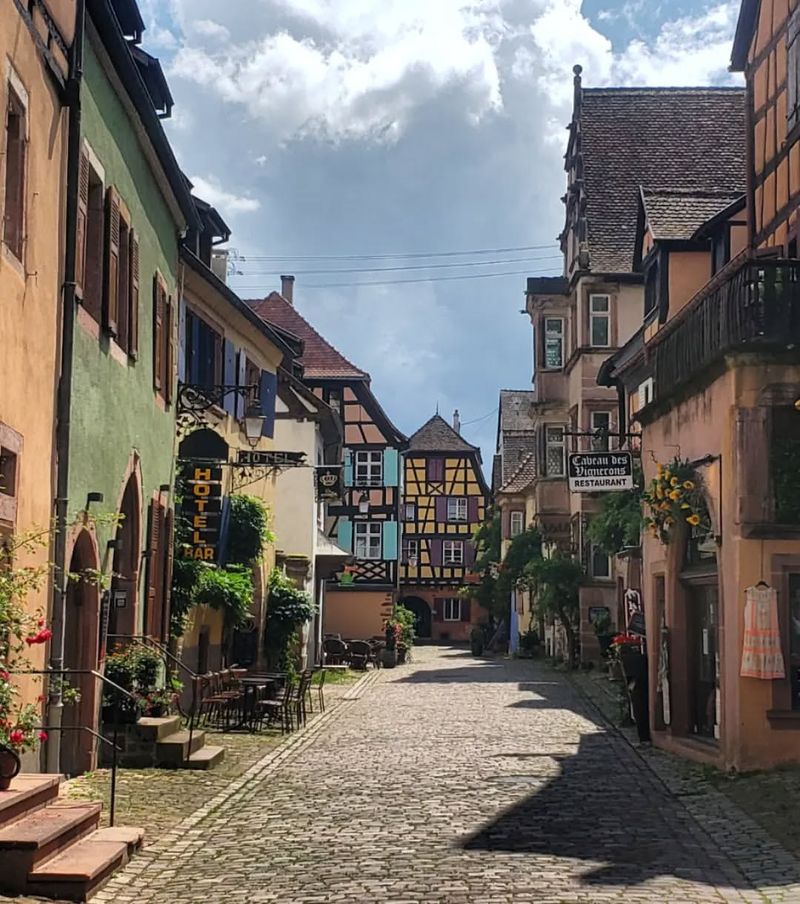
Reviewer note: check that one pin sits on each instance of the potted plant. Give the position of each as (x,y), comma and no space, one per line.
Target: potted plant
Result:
(392,632)
(477,641)
(135,670)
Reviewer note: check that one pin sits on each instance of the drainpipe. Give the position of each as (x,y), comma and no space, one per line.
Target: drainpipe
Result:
(64,398)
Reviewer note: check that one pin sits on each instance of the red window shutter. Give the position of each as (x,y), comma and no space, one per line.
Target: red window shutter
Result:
(82,225)
(169,351)
(158,333)
(111,281)
(151,614)
(169,544)
(465,610)
(133,312)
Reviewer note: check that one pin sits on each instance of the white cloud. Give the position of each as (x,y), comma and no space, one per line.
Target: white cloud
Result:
(210,29)
(226,202)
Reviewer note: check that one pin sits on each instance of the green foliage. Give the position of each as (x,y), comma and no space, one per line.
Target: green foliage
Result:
(556,582)
(477,641)
(785,465)
(248,530)
(525,548)
(185,578)
(135,669)
(488,539)
(406,619)
(618,524)
(288,609)
(227,589)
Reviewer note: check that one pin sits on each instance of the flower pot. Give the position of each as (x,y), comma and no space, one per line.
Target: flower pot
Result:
(389,658)
(9,767)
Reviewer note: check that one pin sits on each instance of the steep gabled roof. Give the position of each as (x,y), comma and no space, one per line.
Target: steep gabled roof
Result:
(675,214)
(675,138)
(320,359)
(438,436)
(522,477)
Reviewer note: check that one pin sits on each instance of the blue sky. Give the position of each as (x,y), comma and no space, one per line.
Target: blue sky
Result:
(354,128)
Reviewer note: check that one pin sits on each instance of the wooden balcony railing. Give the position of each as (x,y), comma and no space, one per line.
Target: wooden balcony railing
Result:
(753,306)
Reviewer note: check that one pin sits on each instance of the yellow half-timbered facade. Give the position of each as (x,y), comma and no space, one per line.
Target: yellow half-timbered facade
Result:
(444,502)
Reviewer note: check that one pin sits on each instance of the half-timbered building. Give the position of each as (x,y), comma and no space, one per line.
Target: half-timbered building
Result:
(444,503)
(361,597)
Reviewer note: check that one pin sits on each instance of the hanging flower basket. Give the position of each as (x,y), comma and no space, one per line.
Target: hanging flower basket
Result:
(674,497)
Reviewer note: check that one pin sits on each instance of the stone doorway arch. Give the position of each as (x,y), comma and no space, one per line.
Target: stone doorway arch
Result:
(423,617)
(123,616)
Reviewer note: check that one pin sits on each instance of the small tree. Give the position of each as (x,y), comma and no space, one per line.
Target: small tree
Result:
(556,583)
(618,524)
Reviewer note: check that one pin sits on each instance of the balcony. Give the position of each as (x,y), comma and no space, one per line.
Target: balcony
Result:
(753,305)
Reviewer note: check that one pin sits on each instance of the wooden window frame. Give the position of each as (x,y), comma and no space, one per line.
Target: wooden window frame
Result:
(90,234)
(595,549)
(553,336)
(596,442)
(548,444)
(373,461)
(369,530)
(599,315)
(449,550)
(454,605)
(16,105)
(782,715)
(410,550)
(458,503)
(517,516)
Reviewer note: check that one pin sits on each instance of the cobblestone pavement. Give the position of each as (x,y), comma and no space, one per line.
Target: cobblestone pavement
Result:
(459,781)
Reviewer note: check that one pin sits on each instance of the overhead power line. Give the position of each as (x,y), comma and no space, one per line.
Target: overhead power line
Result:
(477,420)
(518,260)
(400,282)
(386,255)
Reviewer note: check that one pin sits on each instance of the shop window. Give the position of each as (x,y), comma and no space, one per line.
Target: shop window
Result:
(15,154)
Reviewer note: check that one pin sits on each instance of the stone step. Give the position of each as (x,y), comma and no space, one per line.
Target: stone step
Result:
(175,749)
(26,794)
(156,728)
(40,835)
(205,758)
(78,872)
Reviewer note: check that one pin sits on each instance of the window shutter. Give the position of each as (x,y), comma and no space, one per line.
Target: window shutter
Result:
(465,610)
(345,534)
(82,224)
(391,468)
(152,616)
(182,370)
(472,509)
(441,509)
(436,553)
(469,555)
(169,554)
(133,296)
(111,282)
(390,535)
(158,333)
(348,468)
(169,352)
(435,470)
(229,375)
(438,610)
(241,380)
(752,472)
(792,69)
(267,393)
(505,524)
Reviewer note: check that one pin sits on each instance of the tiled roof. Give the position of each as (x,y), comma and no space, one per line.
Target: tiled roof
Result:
(675,138)
(523,476)
(438,436)
(320,359)
(515,409)
(515,448)
(674,214)
(497,477)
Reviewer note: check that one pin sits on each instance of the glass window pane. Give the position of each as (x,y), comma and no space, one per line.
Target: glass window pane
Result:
(599,303)
(553,353)
(600,330)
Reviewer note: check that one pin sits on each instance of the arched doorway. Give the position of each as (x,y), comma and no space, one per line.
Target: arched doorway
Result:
(81,639)
(125,581)
(422,616)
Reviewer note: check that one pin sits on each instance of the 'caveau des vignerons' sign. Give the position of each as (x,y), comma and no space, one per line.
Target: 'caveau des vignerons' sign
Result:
(594,472)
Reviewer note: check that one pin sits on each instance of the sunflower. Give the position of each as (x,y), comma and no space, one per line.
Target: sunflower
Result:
(685,505)
(659,493)
(664,506)
(688,485)
(694,520)
(674,482)
(675,495)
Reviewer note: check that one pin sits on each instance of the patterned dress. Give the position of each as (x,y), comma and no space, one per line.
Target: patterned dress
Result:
(762,656)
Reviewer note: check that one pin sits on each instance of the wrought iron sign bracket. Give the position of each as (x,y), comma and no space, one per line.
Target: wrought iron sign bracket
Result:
(194,402)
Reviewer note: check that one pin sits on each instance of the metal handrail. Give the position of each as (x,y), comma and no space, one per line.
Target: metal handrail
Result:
(115,748)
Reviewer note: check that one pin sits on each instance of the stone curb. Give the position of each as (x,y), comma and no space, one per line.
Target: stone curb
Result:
(735,833)
(186,837)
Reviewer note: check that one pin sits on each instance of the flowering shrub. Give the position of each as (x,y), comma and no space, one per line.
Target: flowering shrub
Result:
(674,497)
(626,640)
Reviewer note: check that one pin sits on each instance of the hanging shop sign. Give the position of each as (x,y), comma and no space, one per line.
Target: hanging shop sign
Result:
(202,507)
(329,483)
(596,472)
(250,458)
(634,612)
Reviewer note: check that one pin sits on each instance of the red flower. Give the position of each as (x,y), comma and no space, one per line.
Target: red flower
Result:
(17,736)
(41,698)
(42,637)
(42,735)
(4,676)
(41,622)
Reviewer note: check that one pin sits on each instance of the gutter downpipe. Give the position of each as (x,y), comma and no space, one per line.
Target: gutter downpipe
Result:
(64,400)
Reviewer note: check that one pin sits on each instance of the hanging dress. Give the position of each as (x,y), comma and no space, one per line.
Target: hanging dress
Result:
(762,655)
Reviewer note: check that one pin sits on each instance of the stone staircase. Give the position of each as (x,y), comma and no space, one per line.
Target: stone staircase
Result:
(53,848)
(161,743)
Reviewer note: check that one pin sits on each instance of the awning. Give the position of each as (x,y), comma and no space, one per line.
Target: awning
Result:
(330,557)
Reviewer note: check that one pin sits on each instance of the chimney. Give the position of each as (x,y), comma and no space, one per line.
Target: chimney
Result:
(287,288)
(457,421)
(219,263)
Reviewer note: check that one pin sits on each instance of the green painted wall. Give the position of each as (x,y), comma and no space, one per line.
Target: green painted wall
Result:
(115,411)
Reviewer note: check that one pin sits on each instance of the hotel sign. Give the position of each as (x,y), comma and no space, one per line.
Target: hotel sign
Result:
(202,509)
(329,483)
(597,472)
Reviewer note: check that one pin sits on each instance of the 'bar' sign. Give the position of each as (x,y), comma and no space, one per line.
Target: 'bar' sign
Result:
(597,472)
(202,507)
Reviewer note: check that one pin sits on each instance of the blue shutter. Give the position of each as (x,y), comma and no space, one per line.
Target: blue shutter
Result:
(345,534)
(229,375)
(390,535)
(182,341)
(391,468)
(241,376)
(348,468)
(269,390)
(194,362)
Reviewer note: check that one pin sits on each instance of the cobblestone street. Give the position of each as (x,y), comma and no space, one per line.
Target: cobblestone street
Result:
(461,781)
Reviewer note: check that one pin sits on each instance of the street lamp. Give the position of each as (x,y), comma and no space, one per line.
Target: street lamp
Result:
(253,424)
(363,503)
(412,561)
